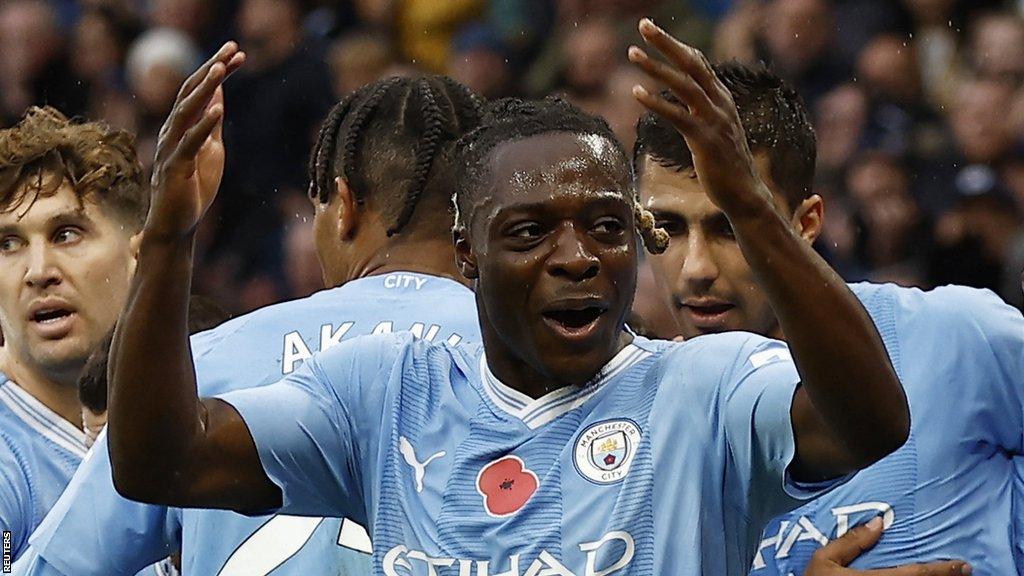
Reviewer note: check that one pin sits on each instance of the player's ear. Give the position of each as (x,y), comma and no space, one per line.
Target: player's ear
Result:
(464,255)
(348,209)
(809,217)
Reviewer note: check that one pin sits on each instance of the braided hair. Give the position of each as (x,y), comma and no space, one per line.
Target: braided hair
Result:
(386,140)
(513,119)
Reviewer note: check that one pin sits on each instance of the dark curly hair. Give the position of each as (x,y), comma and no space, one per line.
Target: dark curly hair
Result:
(46,149)
(513,119)
(775,121)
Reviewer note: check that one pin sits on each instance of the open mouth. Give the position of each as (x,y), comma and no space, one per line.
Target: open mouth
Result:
(50,315)
(576,323)
(575,319)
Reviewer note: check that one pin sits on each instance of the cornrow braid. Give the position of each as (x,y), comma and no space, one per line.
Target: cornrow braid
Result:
(386,140)
(359,118)
(425,153)
(513,119)
(320,159)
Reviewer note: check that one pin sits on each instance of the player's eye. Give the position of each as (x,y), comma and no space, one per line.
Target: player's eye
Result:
(67,235)
(724,230)
(9,244)
(674,226)
(525,231)
(608,225)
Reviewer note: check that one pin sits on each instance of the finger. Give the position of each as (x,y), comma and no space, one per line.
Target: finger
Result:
(235,63)
(674,113)
(953,568)
(218,100)
(193,139)
(845,549)
(225,54)
(680,83)
(188,111)
(686,58)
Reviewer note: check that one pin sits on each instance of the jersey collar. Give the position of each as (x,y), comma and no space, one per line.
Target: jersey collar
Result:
(40,418)
(535,413)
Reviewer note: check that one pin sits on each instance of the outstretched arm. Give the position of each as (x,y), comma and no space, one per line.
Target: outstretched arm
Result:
(851,410)
(166,445)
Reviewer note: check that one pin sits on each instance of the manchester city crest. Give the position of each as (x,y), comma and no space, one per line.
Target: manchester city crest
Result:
(605,450)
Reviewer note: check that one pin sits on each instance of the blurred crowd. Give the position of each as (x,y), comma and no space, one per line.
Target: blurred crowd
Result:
(918,105)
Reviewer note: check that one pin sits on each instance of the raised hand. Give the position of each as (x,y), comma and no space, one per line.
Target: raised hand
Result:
(190,150)
(705,115)
(833,559)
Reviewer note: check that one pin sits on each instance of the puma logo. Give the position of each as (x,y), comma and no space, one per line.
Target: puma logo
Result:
(419,470)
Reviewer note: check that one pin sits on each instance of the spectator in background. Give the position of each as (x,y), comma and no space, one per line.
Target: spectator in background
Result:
(157,63)
(194,18)
(938,46)
(356,59)
(893,237)
(479,59)
(592,52)
(426,28)
(841,117)
(100,42)
(796,40)
(997,47)
(900,120)
(276,103)
(34,68)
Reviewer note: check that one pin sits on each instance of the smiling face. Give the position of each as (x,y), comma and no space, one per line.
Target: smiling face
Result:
(65,266)
(711,286)
(552,245)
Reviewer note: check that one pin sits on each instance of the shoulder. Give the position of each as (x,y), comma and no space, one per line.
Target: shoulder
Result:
(949,311)
(713,360)
(267,320)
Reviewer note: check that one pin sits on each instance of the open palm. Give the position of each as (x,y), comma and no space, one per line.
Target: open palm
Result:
(190,151)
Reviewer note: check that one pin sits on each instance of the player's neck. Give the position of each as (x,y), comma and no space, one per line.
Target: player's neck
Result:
(431,256)
(511,370)
(58,392)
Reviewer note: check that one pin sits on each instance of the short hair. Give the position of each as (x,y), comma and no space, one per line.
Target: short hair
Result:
(203,314)
(388,141)
(46,149)
(512,119)
(775,121)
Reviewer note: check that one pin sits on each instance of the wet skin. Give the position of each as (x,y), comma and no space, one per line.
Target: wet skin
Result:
(553,248)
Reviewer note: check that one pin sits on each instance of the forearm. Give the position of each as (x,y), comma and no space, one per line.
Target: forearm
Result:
(848,378)
(154,410)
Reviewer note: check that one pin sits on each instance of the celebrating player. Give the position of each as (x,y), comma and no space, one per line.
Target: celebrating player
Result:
(570,447)
(959,352)
(72,201)
(380,184)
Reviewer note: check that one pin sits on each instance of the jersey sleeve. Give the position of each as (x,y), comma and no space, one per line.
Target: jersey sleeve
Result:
(15,498)
(93,530)
(314,429)
(755,406)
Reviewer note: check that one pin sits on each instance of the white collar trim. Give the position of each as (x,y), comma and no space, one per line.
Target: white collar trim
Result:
(537,412)
(41,419)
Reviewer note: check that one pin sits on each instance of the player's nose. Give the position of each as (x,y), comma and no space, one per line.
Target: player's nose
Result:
(571,258)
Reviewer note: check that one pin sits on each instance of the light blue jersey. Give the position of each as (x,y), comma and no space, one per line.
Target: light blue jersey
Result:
(39,451)
(668,462)
(95,532)
(948,492)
